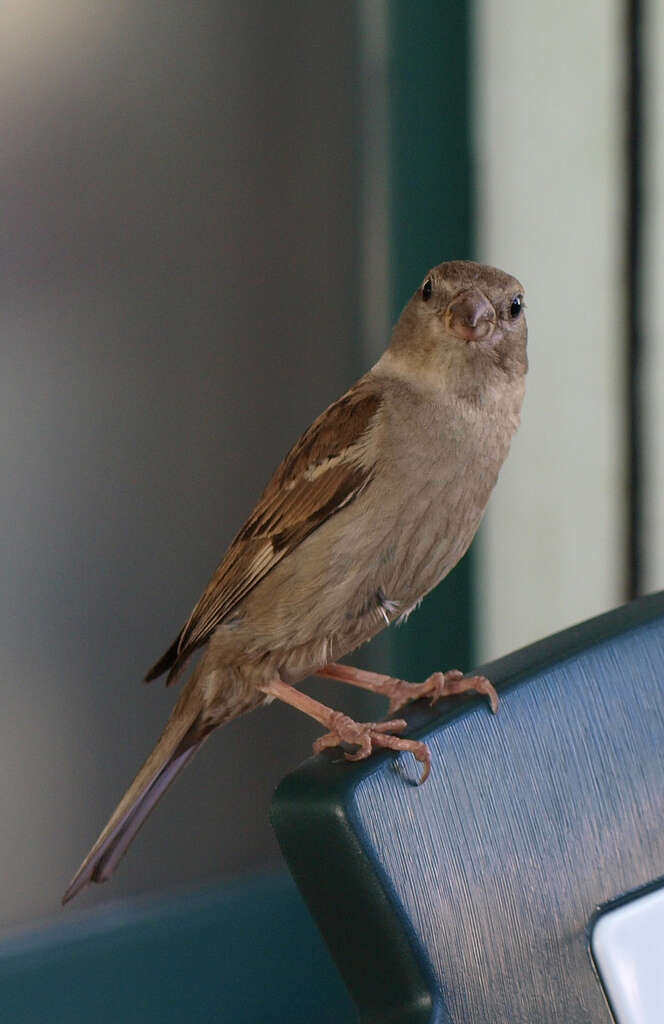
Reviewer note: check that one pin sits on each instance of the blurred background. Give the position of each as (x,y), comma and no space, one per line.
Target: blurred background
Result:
(211,215)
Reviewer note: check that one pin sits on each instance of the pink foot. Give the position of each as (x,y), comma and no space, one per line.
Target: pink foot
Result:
(439,684)
(369,736)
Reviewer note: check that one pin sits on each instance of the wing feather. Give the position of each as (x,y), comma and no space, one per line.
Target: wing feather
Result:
(324,471)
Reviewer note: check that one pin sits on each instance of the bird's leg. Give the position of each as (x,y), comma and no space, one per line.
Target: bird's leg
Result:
(342,729)
(400,692)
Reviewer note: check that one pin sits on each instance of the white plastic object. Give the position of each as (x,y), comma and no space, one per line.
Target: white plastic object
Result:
(628,946)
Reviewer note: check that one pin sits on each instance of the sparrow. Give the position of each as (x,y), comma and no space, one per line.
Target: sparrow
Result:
(371,508)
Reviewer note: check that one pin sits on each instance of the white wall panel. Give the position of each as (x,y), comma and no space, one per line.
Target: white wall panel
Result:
(548,103)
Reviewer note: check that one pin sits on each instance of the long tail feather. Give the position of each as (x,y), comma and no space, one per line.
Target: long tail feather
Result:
(179,742)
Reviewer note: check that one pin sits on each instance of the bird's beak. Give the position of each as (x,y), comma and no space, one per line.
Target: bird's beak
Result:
(470,316)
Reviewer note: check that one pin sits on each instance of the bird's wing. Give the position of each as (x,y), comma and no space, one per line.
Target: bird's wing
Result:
(324,471)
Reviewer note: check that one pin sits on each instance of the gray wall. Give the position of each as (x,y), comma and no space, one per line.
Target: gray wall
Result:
(178,301)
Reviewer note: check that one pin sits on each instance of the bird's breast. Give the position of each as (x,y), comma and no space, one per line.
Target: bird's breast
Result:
(444,484)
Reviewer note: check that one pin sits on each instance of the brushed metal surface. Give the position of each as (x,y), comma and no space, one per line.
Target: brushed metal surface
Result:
(535,818)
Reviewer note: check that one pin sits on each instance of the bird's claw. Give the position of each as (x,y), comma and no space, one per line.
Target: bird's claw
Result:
(371,735)
(441,684)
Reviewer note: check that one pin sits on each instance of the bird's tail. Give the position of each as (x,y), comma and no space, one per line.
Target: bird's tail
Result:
(179,741)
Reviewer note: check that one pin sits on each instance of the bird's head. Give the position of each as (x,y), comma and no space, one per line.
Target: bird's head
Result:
(464,317)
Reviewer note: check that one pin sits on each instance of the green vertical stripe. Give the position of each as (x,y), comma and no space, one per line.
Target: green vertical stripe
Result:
(431,221)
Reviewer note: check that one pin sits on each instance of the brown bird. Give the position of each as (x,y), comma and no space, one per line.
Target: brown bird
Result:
(372,507)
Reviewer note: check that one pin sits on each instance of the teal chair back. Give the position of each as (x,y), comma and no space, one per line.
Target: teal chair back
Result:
(472,898)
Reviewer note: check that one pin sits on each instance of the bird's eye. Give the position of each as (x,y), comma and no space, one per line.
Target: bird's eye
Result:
(426,289)
(516,307)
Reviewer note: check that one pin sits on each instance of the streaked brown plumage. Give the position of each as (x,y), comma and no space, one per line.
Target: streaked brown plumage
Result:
(370,509)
